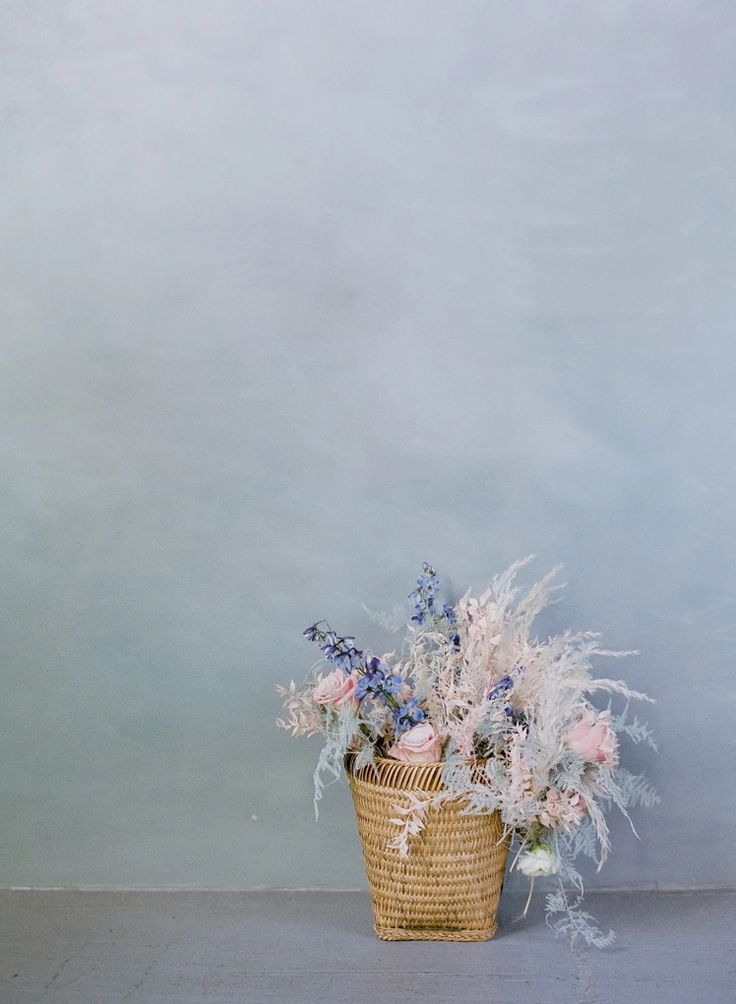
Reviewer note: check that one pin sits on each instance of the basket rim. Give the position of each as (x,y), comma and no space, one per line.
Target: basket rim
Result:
(386,772)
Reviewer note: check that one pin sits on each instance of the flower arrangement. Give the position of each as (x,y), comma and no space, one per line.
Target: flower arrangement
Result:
(471,687)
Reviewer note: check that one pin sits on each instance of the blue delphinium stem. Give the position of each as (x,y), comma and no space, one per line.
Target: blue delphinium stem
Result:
(426,597)
(375,677)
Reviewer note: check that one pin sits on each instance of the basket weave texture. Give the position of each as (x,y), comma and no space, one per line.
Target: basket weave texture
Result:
(448,887)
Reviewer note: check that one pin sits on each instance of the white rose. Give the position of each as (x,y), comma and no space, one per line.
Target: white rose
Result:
(536,862)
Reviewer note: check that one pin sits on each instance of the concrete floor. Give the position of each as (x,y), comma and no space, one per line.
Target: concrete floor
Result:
(187,947)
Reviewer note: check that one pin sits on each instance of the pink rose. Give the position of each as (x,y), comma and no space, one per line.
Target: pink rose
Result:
(335,689)
(420,744)
(594,739)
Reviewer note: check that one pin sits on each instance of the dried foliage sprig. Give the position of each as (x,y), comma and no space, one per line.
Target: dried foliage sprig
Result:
(411,818)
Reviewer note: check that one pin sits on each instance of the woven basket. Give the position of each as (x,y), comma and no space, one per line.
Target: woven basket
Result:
(448,887)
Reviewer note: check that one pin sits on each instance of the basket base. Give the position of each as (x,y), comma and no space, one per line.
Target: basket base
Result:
(432,934)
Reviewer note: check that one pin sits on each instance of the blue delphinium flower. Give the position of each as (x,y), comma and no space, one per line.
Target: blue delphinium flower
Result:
(313,632)
(362,687)
(407,715)
(342,661)
(515,716)
(371,681)
(337,650)
(500,688)
(329,645)
(377,680)
(418,616)
(393,684)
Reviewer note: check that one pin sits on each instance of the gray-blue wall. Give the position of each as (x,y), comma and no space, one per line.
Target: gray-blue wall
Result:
(296,295)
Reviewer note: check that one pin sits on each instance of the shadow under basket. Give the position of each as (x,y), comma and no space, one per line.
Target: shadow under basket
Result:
(448,887)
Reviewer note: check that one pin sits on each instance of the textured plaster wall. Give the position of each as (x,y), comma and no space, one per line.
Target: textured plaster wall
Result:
(296,295)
